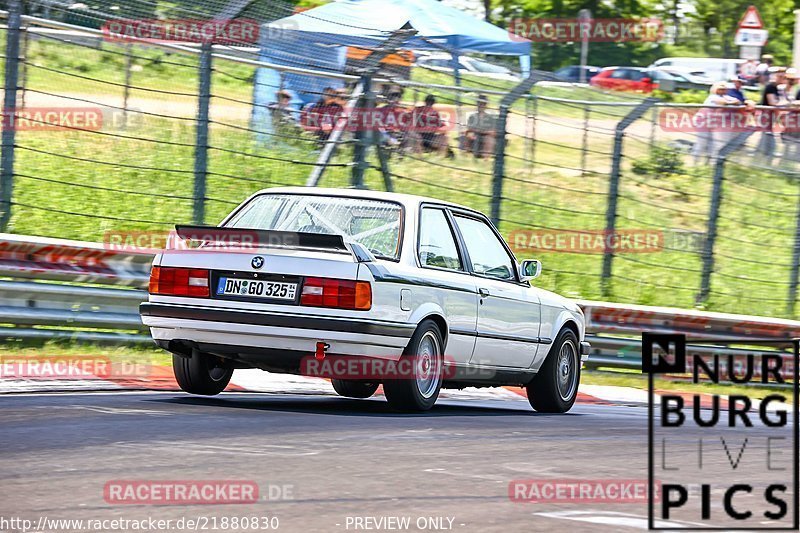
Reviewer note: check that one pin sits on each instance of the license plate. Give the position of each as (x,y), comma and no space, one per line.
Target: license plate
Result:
(254,288)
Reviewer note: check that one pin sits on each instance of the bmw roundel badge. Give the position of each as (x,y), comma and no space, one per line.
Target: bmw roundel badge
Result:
(257,262)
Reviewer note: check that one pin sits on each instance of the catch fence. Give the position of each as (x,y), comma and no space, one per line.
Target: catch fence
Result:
(594,184)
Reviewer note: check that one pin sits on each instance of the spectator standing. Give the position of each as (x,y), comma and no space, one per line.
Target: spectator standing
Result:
(748,72)
(735,89)
(763,69)
(770,97)
(790,137)
(714,135)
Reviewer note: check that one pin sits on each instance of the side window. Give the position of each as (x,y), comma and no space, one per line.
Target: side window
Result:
(487,253)
(437,245)
(619,74)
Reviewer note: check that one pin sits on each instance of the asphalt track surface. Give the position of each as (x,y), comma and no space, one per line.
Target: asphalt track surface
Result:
(341,458)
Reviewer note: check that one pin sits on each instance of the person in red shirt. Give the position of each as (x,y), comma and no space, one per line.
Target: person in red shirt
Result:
(430,128)
(394,119)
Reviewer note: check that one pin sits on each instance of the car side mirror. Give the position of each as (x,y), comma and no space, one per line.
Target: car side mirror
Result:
(530,269)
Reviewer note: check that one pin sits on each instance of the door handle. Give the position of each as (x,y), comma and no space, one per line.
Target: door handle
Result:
(483,292)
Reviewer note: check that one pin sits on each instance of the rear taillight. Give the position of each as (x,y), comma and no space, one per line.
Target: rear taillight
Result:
(338,293)
(179,281)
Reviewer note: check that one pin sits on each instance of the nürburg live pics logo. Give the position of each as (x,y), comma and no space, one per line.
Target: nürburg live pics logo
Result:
(725,455)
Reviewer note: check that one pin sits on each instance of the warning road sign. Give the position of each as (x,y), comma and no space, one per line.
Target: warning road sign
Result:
(751,19)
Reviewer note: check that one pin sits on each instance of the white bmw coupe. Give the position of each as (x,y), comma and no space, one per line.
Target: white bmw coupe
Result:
(313,281)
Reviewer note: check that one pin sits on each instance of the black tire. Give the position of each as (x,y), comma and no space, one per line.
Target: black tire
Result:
(351,388)
(549,391)
(201,373)
(406,394)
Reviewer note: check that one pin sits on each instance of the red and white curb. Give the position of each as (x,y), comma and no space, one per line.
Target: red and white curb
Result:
(244,380)
(160,378)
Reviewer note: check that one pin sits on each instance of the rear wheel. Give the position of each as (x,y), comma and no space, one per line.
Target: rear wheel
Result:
(201,373)
(419,388)
(555,387)
(354,389)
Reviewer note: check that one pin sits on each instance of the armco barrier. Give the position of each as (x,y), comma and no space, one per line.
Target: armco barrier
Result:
(631,319)
(82,290)
(56,288)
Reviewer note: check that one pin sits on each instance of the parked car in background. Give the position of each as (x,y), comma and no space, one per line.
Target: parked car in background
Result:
(646,80)
(713,68)
(468,65)
(635,79)
(572,73)
(676,79)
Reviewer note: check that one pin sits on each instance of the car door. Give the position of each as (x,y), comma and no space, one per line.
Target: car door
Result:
(508,310)
(455,292)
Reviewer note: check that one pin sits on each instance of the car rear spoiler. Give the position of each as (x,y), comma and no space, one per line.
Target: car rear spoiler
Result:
(261,238)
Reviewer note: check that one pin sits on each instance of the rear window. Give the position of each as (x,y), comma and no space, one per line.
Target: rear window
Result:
(373,223)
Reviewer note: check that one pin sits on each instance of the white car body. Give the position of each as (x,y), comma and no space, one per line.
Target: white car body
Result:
(506,327)
(468,66)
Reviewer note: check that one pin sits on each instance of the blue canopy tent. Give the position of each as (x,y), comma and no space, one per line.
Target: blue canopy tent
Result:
(316,39)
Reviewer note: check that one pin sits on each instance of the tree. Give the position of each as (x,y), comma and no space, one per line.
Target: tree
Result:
(720,19)
(551,56)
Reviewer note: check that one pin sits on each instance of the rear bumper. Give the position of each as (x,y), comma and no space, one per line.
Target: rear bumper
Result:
(255,333)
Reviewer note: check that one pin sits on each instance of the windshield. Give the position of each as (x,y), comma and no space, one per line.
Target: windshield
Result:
(373,223)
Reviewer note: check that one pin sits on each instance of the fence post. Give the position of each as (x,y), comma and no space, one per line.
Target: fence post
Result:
(363,138)
(500,144)
(533,129)
(653,124)
(23,73)
(329,147)
(371,66)
(126,91)
(793,275)
(585,143)
(613,187)
(201,140)
(9,111)
(383,159)
(713,213)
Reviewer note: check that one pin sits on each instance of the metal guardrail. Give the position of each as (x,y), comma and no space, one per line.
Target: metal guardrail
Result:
(83,291)
(92,291)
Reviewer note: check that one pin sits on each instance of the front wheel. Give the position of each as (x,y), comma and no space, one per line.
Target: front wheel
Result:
(421,364)
(354,389)
(555,387)
(201,373)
